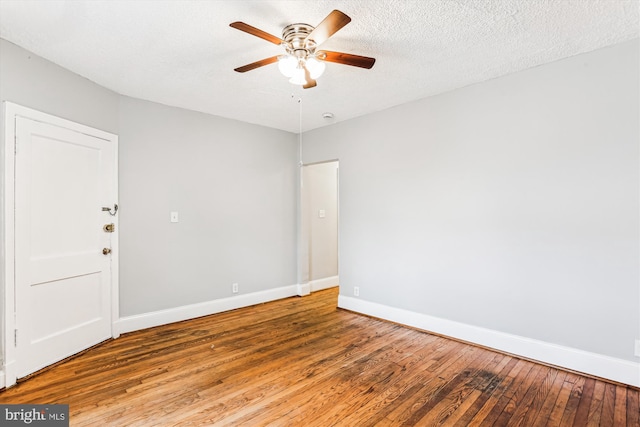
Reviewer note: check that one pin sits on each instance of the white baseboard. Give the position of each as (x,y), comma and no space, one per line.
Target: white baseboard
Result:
(177,314)
(2,382)
(598,365)
(324,283)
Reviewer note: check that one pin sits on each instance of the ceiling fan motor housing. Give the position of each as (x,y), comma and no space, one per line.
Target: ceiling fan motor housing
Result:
(297,44)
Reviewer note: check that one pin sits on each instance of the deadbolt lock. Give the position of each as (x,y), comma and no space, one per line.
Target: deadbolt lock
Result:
(106,251)
(109,228)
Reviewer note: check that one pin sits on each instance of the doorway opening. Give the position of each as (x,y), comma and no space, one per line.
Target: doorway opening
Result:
(319,225)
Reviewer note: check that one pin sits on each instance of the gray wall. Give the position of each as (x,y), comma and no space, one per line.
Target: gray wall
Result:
(511,204)
(34,82)
(234,187)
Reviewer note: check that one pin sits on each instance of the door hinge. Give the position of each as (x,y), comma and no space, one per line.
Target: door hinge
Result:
(15,337)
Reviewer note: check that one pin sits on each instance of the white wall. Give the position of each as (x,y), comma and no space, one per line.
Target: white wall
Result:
(234,187)
(321,188)
(510,205)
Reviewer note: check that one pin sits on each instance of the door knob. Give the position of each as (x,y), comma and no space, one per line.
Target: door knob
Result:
(106,251)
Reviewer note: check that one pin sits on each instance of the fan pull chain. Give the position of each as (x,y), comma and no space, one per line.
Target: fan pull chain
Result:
(300,130)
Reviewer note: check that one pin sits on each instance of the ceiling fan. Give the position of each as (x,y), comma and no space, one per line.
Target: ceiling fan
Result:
(302,63)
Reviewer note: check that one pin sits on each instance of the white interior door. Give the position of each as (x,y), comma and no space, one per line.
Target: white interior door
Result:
(63,300)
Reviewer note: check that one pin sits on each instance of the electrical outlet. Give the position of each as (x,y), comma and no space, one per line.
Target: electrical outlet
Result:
(356,291)
(234,288)
(637,352)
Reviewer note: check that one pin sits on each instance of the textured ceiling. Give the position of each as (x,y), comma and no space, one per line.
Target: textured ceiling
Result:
(182,53)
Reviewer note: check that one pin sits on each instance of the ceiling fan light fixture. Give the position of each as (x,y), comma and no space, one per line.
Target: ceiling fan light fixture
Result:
(315,67)
(302,63)
(287,65)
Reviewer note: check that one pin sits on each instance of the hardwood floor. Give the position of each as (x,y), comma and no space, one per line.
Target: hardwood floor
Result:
(302,362)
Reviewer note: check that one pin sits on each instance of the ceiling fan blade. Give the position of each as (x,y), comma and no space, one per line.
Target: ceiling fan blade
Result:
(346,59)
(310,82)
(328,27)
(256,64)
(256,32)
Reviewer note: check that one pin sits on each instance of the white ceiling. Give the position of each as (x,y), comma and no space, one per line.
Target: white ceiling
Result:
(182,53)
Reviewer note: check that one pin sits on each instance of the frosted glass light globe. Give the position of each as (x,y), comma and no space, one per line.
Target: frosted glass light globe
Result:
(315,67)
(287,65)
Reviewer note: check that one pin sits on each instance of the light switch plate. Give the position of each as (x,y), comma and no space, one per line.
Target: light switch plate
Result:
(174,216)
(322,213)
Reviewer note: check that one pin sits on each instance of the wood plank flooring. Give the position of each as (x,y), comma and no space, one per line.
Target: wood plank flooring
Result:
(302,362)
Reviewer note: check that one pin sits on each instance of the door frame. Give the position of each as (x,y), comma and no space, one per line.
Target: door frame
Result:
(8,375)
